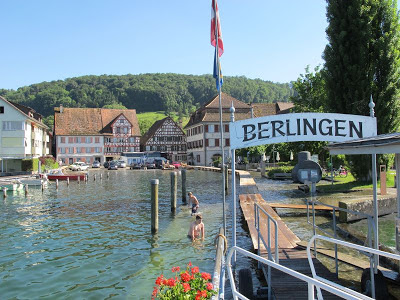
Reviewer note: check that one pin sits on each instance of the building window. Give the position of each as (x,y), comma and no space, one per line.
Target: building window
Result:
(62,150)
(198,158)
(78,150)
(216,142)
(118,129)
(62,140)
(206,128)
(125,130)
(1,109)
(226,128)
(97,140)
(227,142)
(216,128)
(13,125)
(71,140)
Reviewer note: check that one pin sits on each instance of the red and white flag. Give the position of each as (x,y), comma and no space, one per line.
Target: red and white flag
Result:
(216,28)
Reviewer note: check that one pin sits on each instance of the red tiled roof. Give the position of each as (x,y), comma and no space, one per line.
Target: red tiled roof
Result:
(208,111)
(91,121)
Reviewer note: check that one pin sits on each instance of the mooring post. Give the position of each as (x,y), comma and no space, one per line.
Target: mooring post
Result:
(26,190)
(226,179)
(79,179)
(184,185)
(56,183)
(94,177)
(154,205)
(101,176)
(67,180)
(174,190)
(42,185)
(4,192)
(108,175)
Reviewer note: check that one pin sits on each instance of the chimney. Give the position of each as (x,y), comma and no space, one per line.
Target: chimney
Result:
(61,108)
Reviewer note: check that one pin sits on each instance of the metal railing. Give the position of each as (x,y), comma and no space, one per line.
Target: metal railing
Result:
(257,210)
(218,279)
(312,283)
(371,228)
(353,246)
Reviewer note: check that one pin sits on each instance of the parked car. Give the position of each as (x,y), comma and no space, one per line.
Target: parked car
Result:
(121,164)
(113,165)
(135,166)
(150,165)
(79,166)
(96,164)
(176,164)
(158,163)
(106,164)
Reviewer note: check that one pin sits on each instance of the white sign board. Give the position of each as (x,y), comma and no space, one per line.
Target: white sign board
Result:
(300,127)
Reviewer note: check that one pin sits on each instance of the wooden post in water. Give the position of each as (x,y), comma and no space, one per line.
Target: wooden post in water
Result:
(183,185)
(42,185)
(226,179)
(94,177)
(154,205)
(101,176)
(56,183)
(4,192)
(67,180)
(174,190)
(26,190)
(108,175)
(79,179)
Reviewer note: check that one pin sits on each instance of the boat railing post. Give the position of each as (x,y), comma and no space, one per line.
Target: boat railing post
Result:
(336,248)
(154,205)
(174,188)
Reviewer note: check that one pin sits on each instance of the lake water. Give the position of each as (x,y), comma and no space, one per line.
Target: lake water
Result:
(93,240)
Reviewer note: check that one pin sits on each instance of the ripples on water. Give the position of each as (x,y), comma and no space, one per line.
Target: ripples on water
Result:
(93,240)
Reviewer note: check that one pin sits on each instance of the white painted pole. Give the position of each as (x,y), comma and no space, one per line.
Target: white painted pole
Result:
(56,183)
(375,195)
(67,180)
(233,176)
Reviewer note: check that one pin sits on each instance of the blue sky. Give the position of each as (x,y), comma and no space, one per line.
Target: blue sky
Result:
(47,40)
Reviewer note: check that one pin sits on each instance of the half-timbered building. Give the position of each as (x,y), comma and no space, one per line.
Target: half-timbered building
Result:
(89,134)
(167,137)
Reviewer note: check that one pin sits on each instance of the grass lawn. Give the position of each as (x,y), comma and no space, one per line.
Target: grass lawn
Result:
(350,184)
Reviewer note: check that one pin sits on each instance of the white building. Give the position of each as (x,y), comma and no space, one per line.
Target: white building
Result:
(204,133)
(89,134)
(22,135)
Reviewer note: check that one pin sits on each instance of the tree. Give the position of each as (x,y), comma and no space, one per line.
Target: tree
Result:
(115,105)
(362,59)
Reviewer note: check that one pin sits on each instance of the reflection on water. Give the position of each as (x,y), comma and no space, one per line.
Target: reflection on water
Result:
(93,240)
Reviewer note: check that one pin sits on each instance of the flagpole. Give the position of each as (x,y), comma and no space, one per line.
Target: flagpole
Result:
(220,116)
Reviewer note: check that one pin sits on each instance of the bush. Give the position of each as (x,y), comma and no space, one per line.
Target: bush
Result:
(283,169)
(27,165)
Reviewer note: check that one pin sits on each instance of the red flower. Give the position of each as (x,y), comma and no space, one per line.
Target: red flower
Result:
(189,264)
(165,282)
(159,280)
(197,297)
(176,269)
(186,287)
(155,291)
(185,277)
(206,276)
(209,286)
(204,294)
(195,270)
(171,282)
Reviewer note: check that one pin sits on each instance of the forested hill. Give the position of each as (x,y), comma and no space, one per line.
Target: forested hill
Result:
(145,92)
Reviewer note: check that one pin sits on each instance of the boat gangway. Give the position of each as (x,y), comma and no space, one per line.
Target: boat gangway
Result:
(289,253)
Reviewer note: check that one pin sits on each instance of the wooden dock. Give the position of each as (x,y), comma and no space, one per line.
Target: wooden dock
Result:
(300,206)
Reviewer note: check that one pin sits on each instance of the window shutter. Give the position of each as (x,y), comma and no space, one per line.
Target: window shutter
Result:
(206,142)
(226,128)
(216,128)
(206,128)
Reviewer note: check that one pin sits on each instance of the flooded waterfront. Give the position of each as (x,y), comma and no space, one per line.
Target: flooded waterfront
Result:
(93,241)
